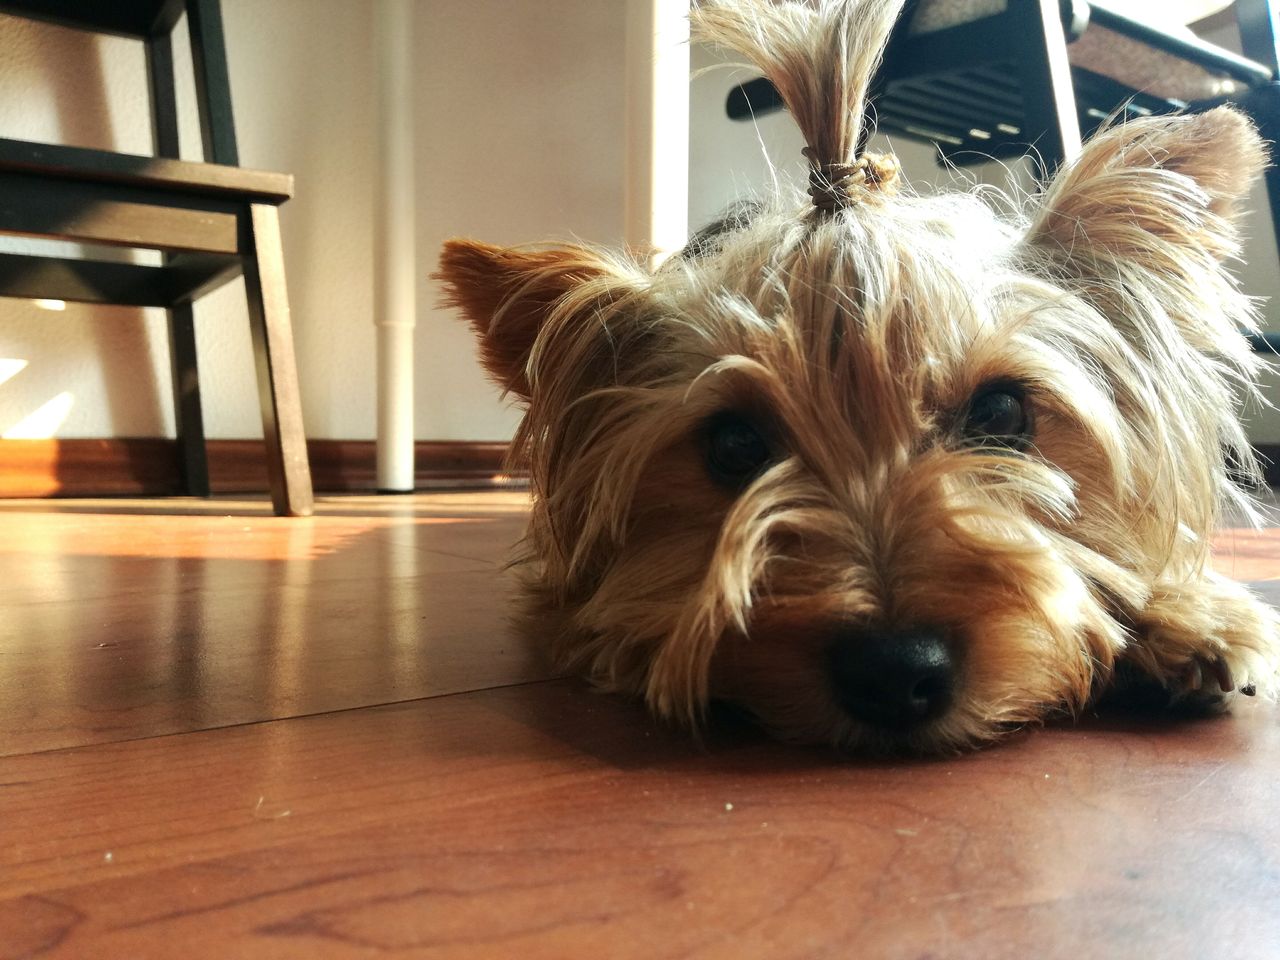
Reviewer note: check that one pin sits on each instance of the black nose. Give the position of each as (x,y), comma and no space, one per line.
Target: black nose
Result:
(893,678)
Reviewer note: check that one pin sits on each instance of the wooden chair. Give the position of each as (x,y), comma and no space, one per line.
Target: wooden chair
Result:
(212,220)
(1035,76)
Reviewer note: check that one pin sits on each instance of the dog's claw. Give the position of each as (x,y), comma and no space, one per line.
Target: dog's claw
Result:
(1222,673)
(1192,679)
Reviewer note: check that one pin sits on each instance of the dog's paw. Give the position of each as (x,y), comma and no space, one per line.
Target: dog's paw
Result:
(1204,642)
(1195,690)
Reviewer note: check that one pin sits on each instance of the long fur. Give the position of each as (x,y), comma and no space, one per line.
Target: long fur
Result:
(858,340)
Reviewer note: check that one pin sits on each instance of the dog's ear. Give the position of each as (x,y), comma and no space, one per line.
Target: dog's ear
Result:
(510,294)
(1154,186)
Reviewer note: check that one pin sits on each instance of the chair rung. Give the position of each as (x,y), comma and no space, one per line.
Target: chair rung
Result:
(1189,48)
(129,18)
(752,99)
(182,279)
(114,214)
(150,173)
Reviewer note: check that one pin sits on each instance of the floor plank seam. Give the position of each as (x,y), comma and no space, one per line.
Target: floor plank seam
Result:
(299,716)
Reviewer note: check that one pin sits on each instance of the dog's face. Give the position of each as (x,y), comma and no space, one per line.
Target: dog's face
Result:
(895,478)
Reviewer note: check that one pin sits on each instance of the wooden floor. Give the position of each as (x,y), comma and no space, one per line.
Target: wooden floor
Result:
(227,735)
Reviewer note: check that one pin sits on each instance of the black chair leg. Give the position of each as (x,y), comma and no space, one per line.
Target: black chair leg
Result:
(1259,22)
(1263,106)
(188,415)
(1050,123)
(213,84)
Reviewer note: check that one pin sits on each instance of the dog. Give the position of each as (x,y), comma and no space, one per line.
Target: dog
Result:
(893,472)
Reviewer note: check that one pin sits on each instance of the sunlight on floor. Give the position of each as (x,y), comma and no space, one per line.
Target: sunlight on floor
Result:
(189,537)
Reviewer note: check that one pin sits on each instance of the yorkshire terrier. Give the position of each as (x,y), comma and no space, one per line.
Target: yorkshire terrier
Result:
(889,471)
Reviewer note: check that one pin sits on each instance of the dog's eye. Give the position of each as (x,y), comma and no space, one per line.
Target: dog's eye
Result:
(736,451)
(999,414)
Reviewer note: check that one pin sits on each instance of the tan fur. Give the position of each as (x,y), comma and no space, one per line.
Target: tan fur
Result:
(857,339)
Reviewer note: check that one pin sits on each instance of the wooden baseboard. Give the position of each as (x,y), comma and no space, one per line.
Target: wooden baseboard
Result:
(144,467)
(149,467)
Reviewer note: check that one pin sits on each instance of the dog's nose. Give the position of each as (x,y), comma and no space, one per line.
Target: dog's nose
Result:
(893,679)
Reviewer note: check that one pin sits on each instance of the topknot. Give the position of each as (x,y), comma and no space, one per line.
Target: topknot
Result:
(820,55)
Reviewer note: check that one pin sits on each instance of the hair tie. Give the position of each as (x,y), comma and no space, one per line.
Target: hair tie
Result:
(837,185)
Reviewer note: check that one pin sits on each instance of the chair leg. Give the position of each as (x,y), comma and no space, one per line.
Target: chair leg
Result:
(1259,23)
(1050,122)
(1263,106)
(187,413)
(287,466)
(213,84)
(164,98)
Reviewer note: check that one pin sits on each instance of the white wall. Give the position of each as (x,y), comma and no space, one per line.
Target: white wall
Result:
(519,129)
(519,113)
(520,138)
